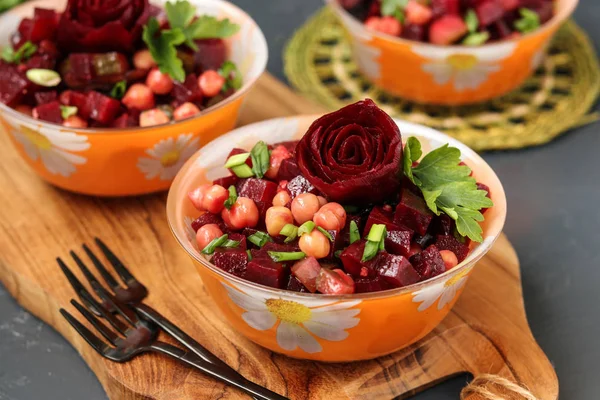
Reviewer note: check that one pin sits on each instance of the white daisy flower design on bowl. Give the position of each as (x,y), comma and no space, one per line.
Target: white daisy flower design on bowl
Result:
(444,290)
(168,156)
(298,323)
(466,68)
(55,148)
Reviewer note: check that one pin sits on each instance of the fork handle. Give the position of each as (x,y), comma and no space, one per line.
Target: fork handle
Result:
(216,371)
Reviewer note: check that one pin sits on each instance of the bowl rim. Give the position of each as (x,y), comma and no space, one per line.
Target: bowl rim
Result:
(557,19)
(116,131)
(424,131)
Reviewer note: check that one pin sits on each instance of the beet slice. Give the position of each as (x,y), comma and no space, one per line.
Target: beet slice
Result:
(49,112)
(234,261)
(44,97)
(372,284)
(261,191)
(295,285)
(428,263)
(300,185)
(288,169)
(413,213)
(396,270)
(380,216)
(211,54)
(80,100)
(307,271)
(351,258)
(265,271)
(449,242)
(398,242)
(102,108)
(334,282)
(238,237)
(13,84)
(208,218)
(186,91)
(226,181)
(44,24)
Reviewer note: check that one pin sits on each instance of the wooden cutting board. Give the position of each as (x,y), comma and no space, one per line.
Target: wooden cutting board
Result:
(486,333)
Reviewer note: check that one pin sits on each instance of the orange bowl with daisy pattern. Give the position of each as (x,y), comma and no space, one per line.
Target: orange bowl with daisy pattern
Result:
(332,328)
(449,75)
(130,161)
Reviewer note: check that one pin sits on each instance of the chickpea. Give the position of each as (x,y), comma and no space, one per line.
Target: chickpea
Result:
(207,234)
(75,122)
(278,154)
(143,60)
(282,199)
(277,218)
(243,214)
(214,199)
(304,207)
(185,110)
(450,259)
(139,96)
(211,83)
(196,196)
(331,217)
(153,117)
(322,200)
(315,244)
(158,82)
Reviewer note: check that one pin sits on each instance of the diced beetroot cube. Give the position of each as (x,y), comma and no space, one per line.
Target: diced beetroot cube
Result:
(423,240)
(81,67)
(443,7)
(273,246)
(208,218)
(307,271)
(295,285)
(358,220)
(509,5)
(238,237)
(398,242)
(545,11)
(288,169)
(380,216)
(80,100)
(396,270)
(261,191)
(211,54)
(415,32)
(489,12)
(102,108)
(335,245)
(24,31)
(49,112)
(226,181)
(13,84)
(188,91)
(500,30)
(300,185)
(126,120)
(442,225)
(428,263)
(44,97)
(334,282)
(447,30)
(413,213)
(289,145)
(449,242)
(44,25)
(265,271)
(233,261)
(481,186)
(42,61)
(373,284)
(351,258)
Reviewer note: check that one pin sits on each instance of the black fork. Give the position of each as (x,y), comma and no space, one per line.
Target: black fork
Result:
(139,333)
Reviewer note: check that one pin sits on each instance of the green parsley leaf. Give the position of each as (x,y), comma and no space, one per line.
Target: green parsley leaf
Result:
(260,159)
(529,21)
(389,7)
(232,197)
(67,111)
(471,20)
(399,15)
(8,4)
(162,46)
(118,91)
(232,75)
(207,27)
(476,38)
(447,186)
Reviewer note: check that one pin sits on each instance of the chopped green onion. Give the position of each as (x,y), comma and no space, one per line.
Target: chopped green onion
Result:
(249,255)
(476,39)
(237,159)
(118,91)
(376,233)
(232,75)
(324,232)
(282,256)
(259,238)
(43,77)
(306,227)
(371,250)
(232,197)
(354,233)
(472,21)
(230,244)
(67,111)
(242,171)
(290,231)
(375,241)
(26,50)
(338,253)
(260,159)
(529,21)
(218,242)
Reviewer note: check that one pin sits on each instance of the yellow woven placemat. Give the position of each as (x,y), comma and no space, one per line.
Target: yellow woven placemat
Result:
(558,97)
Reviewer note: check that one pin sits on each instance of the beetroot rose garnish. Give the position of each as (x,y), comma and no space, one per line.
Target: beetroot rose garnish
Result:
(101,26)
(353,155)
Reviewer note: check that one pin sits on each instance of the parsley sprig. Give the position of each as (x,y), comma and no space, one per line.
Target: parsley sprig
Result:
(447,186)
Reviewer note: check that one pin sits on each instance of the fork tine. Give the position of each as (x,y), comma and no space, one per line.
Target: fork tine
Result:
(112,320)
(108,278)
(88,274)
(93,340)
(93,306)
(100,327)
(116,305)
(116,263)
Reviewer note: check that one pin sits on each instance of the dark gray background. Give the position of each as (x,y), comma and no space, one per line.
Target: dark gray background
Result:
(553,221)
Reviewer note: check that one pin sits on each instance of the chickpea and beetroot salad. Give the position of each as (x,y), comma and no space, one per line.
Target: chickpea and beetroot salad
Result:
(452,22)
(117,63)
(345,210)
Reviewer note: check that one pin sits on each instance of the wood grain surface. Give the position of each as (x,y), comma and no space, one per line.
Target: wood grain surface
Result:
(486,332)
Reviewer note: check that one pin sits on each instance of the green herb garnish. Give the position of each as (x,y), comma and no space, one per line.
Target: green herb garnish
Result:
(282,256)
(67,111)
(447,186)
(324,232)
(472,21)
(354,233)
(43,77)
(306,227)
(260,159)
(230,244)
(259,238)
(290,231)
(163,48)
(249,255)
(375,241)
(242,171)
(118,91)
(237,159)
(26,50)
(232,197)
(391,7)
(218,242)
(232,75)
(476,38)
(338,253)
(528,22)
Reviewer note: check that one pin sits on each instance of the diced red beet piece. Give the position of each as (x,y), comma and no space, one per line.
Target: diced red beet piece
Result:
(442,225)
(449,242)
(13,84)
(42,61)
(24,33)
(49,112)
(358,220)
(380,216)
(415,32)
(272,246)
(288,169)
(44,97)
(336,244)
(300,185)
(295,285)
(238,237)
(500,30)
(102,108)
(396,270)
(481,186)
(208,218)
(307,271)
(351,258)
(373,284)
(226,181)
(423,240)
(233,261)
(80,100)
(126,120)
(261,191)
(334,282)
(413,213)
(509,5)
(428,263)
(265,271)
(443,7)
(398,242)
(211,54)
(188,91)
(43,25)
(447,30)
(489,12)
(289,145)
